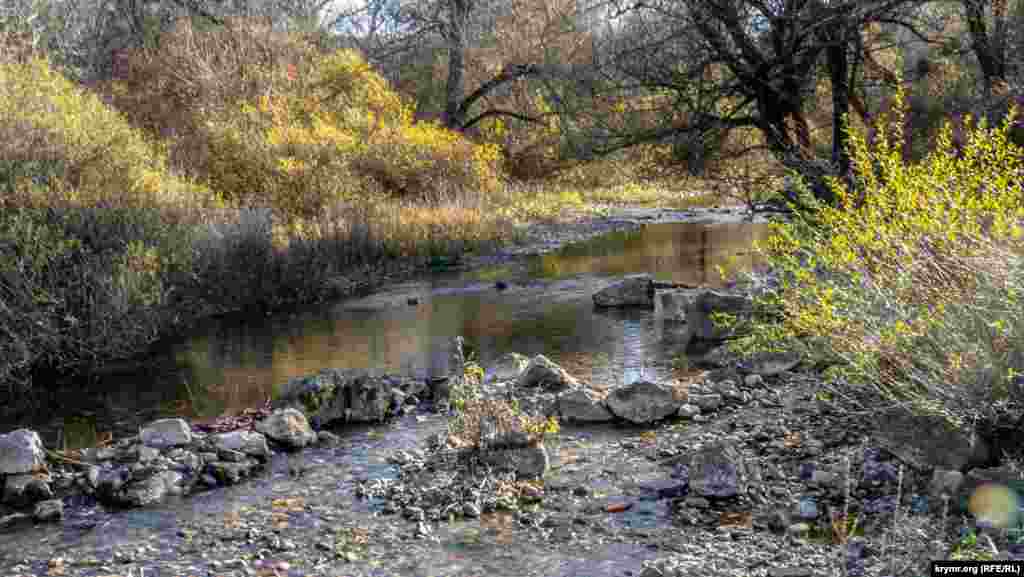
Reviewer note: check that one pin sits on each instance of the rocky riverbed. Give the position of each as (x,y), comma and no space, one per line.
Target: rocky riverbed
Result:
(744,477)
(746,468)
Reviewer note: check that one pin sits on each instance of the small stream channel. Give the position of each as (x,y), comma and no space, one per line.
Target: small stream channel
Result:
(233,363)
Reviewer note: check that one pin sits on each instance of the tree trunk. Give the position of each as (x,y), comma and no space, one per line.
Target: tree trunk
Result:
(456,36)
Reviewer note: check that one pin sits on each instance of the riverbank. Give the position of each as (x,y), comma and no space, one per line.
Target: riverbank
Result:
(618,500)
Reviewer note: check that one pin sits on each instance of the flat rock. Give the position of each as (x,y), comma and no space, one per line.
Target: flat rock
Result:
(643,401)
(584,405)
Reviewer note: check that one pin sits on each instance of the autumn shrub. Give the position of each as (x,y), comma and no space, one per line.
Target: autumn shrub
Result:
(910,285)
(89,243)
(193,75)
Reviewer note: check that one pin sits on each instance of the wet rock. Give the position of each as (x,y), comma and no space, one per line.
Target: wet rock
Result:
(508,367)
(643,402)
(634,291)
(583,405)
(50,510)
(541,372)
(699,326)
(248,443)
(166,433)
(717,471)
(344,395)
(288,427)
(21,451)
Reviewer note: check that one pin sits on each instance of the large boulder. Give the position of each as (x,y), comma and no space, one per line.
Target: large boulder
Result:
(543,373)
(583,405)
(644,402)
(633,291)
(347,395)
(21,451)
(166,433)
(701,328)
(288,427)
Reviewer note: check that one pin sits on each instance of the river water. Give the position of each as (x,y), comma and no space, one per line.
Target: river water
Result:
(235,362)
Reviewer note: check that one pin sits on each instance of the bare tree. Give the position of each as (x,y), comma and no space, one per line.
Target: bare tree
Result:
(727,64)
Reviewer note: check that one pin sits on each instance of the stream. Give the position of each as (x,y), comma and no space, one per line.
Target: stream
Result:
(543,307)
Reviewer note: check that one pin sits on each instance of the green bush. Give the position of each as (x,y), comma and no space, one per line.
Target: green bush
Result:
(912,283)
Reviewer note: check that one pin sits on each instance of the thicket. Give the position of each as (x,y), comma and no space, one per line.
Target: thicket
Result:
(228,169)
(910,286)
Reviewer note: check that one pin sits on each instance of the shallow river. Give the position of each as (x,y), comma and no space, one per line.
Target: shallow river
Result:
(233,363)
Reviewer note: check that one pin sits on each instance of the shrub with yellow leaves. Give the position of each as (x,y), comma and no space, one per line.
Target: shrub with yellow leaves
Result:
(911,283)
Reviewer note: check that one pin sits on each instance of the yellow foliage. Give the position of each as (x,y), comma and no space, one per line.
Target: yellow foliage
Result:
(864,280)
(46,118)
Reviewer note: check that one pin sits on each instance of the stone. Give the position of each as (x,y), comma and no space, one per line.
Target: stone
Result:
(250,443)
(543,373)
(583,405)
(769,364)
(144,493)
(343,395)
(699,326)
(717,471)
(288,427)
(708,402)
(927,442)
(642,402)
(633,291)
(24,489)
(665,488)
(166,433)
(228,473)
(327,439)
(688,411)
(528,463)
(21,451)
(508,367)
(945,482)
(49,511)
(671,305)
(754,380)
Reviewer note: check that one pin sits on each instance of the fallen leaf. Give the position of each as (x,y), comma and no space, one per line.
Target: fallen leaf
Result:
(618,507)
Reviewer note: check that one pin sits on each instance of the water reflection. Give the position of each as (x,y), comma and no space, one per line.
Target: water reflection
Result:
(235,363)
